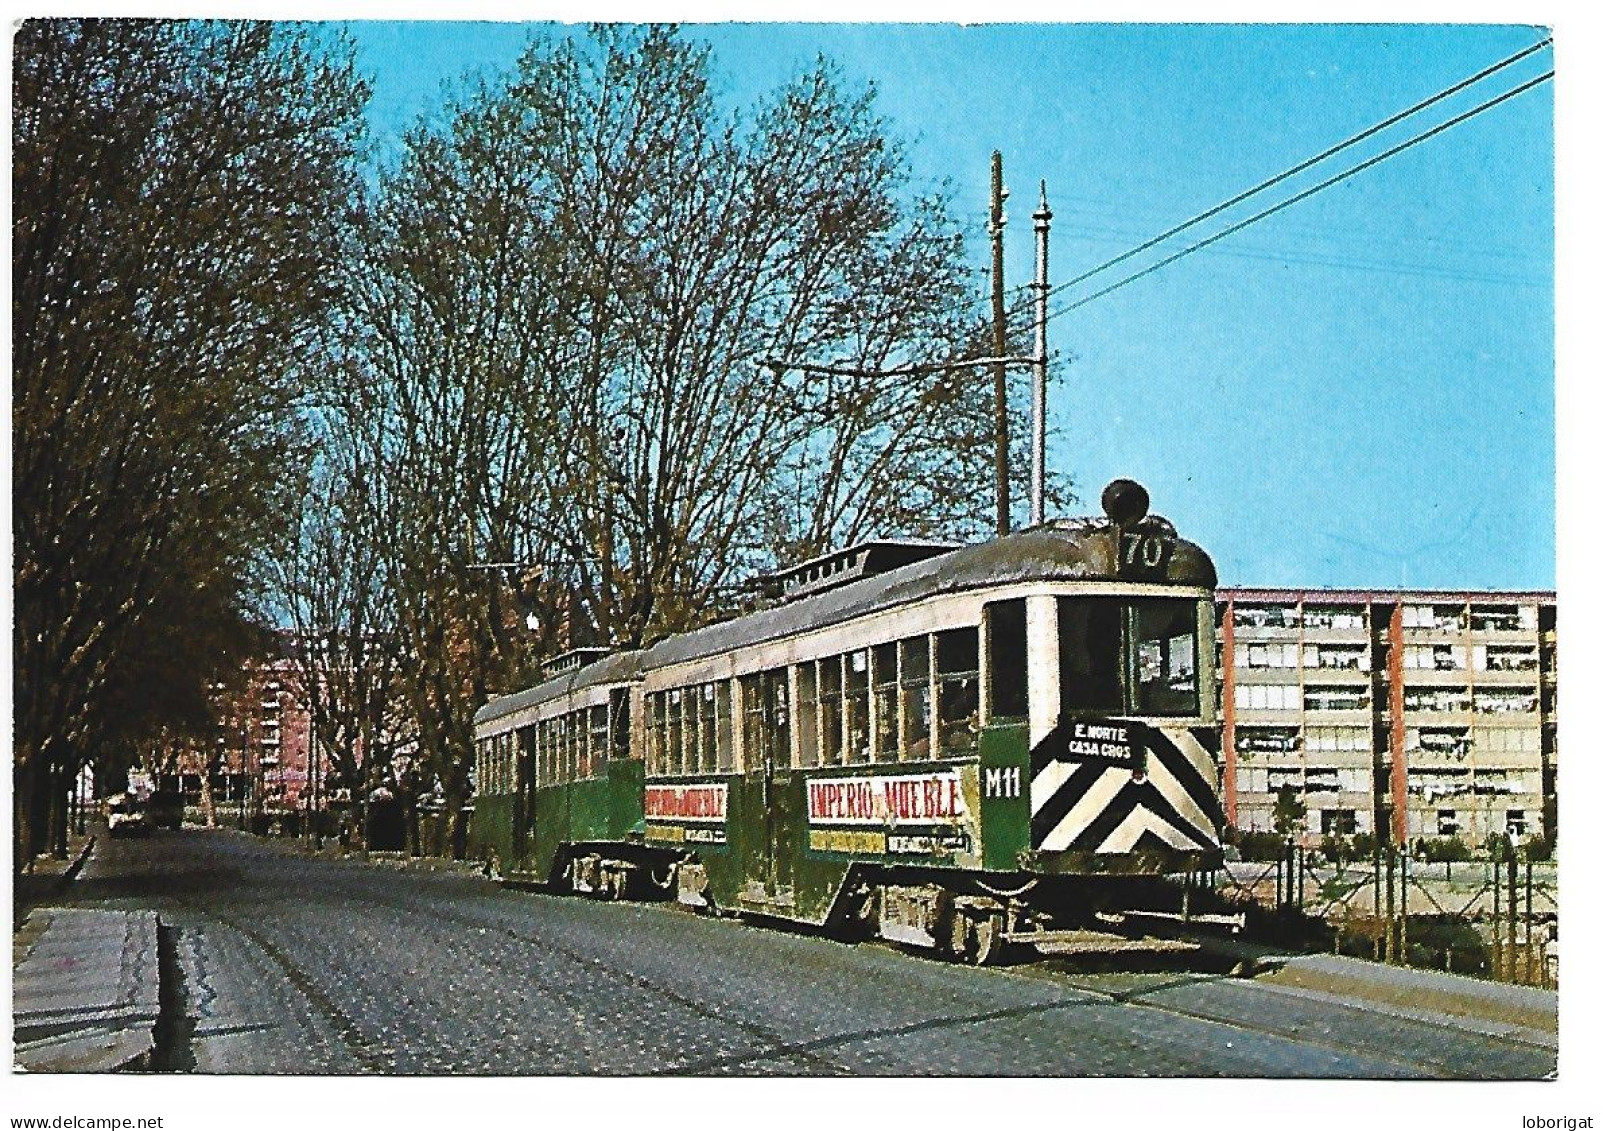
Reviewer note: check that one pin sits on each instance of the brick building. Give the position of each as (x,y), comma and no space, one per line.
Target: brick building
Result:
(1319,687)
(261,753)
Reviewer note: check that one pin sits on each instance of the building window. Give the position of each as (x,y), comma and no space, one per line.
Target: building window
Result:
(1341,657)
(1338,822)
(1435,618)
(1266,616)
(1436,699)
(1453,741)
(1501,618)
(1269,655)
(1505,700)
(1253,740)
(1338,698)
(1435,657)
(1447,822)
(1339,739)
(1514,822)
(1505,658)
(1333,616)
(1268,697)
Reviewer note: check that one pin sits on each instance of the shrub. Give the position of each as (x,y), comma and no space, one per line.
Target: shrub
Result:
(1445,850)
(1539,847)
(1261,847)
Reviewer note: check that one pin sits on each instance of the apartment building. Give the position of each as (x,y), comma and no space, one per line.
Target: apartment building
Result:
(260,754)
(1320,687)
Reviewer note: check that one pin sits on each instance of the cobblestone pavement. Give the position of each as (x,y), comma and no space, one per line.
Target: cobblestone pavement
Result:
(293,964)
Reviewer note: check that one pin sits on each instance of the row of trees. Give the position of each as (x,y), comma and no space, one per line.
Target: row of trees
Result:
(179,194)
(554,333)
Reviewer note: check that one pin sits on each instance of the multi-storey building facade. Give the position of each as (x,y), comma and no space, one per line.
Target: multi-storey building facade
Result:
(1321,687)
(261,754)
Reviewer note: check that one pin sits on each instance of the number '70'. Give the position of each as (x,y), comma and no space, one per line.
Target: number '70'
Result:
(1145,549)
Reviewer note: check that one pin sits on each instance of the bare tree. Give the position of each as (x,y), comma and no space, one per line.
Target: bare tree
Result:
(572,292)
(177,193)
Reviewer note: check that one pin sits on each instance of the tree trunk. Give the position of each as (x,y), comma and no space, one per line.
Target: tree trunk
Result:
(22,815)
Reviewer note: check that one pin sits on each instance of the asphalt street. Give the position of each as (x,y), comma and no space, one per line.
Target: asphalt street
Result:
(285,963)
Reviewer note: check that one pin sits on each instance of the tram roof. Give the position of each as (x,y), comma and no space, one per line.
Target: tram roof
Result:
(620,667)
(1066,550)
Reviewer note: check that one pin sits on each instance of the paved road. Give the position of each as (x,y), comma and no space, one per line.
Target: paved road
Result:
(303,965)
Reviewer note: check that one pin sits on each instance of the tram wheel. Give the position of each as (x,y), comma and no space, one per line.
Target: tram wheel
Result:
(983,943)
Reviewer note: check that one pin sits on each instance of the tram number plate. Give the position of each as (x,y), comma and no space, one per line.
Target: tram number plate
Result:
(1144,552)
(1004,781)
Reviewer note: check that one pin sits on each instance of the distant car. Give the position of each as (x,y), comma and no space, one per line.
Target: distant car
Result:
(127,817)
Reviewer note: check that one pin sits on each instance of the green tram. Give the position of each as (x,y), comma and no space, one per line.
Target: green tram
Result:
(953,747)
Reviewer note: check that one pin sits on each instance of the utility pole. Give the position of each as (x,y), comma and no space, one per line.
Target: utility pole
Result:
(1004,500)
(1043,221)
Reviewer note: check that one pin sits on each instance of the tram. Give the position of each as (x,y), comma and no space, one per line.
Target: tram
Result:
(950,747)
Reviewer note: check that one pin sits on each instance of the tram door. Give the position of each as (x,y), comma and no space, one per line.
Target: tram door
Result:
(776,849)
(523,797)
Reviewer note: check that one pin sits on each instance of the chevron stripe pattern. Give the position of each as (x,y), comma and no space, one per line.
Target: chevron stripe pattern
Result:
(1163,795)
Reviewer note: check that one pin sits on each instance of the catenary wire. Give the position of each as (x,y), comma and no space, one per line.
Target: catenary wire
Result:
(1305,194)
(1301,166)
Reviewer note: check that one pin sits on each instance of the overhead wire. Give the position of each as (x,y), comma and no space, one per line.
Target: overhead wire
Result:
(1304,195)
(1303,166)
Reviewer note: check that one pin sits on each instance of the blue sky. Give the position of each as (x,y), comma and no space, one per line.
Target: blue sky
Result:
(1357,391)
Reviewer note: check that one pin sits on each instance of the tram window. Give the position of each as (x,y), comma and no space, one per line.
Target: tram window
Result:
(957,677)
(1008,654)
(674,762)
(690,736)
(773,689)
(598,740)
(707,727)
(726,729)
(575,724)
(806,714)
(831,707)
(751,720)
(856,706)
(618,705)
(916,715)
(657,709)
(708,760)
(1166,656)
(1089,634)
(887,715)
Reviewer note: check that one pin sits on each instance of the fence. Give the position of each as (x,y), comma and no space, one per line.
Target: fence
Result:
(1498,918)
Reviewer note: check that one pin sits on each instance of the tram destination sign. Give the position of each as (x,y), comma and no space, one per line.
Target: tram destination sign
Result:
(1106,742)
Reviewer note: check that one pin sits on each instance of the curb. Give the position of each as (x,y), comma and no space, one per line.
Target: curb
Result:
(76,866)
(87,992)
